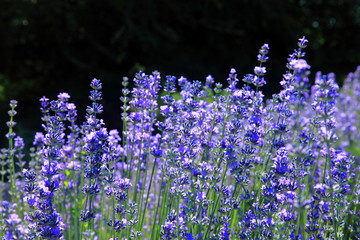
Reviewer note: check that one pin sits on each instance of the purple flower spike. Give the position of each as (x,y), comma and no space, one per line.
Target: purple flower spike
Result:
(44,102)
(63,96)
(302,42)
(96,84)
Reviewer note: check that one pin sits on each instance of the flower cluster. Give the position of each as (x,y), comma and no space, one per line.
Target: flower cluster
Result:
(193,160)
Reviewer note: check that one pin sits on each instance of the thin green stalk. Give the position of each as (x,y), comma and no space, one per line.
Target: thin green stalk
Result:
(142,211)
(234,213)
(113,215)
(102,210)
(138,171)
(147,195)
(326,160)
(157,207)
(300,223)
(177,216)
(12,167)
(216,203)
(163,210)
(83,223)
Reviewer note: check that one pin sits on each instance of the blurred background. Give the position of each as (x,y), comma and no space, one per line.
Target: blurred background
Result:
(47,47)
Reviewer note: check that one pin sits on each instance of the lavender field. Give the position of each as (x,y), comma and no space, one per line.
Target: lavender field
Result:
(193,160)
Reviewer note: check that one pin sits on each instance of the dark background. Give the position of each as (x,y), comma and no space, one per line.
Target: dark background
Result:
(47,47)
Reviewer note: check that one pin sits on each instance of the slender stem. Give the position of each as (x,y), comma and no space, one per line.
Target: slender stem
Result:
(147,195)
(158,204)
(216,203)
(12,164)
(142,210)
(177,216)
(138,170)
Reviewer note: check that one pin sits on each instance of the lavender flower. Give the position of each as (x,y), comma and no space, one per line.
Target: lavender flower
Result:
(208,162)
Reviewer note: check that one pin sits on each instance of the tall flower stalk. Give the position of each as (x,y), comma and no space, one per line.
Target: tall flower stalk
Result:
(11,158)
(95,137)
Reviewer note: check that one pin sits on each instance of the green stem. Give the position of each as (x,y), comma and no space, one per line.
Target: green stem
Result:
(142,210)
(157,207)
(177,216)
(326,160)
(164,210)
(147,195)
(138,171)
(216,203)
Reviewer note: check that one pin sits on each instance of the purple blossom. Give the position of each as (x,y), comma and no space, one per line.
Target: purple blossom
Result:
(19,143)
(39,139)
(302,42)
(63,96)
(260,71)
(299,65)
